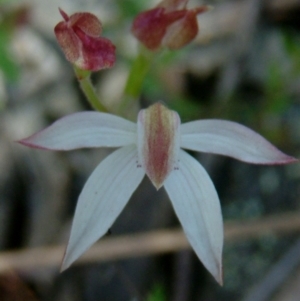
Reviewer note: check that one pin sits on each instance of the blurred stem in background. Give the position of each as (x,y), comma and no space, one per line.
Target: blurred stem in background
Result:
(135,79)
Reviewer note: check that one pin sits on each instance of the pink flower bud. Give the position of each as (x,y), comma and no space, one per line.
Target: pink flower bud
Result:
(79,38)
(169,25)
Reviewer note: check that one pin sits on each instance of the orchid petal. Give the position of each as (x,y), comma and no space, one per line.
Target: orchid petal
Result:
(87,22)
(85,129)
(149,27)
(197,206)
(182,31)
(231,139)
(68,41)
(102,199)
(96,53)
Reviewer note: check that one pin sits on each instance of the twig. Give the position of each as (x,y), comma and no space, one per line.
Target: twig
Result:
(150,243)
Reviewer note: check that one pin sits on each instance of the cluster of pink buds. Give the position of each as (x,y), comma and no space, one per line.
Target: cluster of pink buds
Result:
(170,24)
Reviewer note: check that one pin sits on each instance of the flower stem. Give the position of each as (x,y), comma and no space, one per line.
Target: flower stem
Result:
(136,78)
(83,77)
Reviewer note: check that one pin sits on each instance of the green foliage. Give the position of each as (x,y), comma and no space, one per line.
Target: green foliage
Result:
(276,90)
(278,80)
(157,294)
(292,47)
(7,63)
(277,86)
(4,1)
(187,109)
(130,8)
(8,22)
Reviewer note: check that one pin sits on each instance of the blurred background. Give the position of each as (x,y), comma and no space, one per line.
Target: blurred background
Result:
(244,66)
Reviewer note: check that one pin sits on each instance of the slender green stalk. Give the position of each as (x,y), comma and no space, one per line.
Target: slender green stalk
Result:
(136,78)
(83,77)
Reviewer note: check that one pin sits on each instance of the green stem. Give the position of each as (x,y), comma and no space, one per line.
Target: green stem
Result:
(136,78)
(83,77)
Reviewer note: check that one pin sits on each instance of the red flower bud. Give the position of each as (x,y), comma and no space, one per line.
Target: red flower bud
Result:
(79,38)
(169,25)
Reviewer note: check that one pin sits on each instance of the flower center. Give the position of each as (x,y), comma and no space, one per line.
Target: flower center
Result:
(158,142)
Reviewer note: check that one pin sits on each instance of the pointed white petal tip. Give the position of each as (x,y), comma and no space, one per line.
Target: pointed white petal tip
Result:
(29,143)
(285,159)
(63,266)
(219,277)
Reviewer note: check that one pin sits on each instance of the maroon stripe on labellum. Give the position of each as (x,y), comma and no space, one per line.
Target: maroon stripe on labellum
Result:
(158,142)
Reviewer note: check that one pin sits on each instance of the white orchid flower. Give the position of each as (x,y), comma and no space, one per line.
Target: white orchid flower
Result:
(154,146)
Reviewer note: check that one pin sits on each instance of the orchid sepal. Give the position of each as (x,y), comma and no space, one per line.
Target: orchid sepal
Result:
(231,139)
(82,130)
